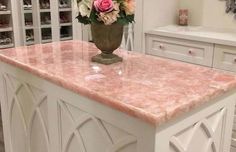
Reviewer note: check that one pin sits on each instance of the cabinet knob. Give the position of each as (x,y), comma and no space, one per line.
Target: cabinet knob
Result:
(190,51)
(161,46)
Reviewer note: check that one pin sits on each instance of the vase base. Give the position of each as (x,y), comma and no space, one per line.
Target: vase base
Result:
(106,58)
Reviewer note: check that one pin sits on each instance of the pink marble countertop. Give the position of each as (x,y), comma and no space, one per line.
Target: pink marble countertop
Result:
(150,88)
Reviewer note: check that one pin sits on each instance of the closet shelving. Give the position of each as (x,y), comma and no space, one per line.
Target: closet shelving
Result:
(37,21)
(6,29)
(28,22)
(45,21)
(65,19)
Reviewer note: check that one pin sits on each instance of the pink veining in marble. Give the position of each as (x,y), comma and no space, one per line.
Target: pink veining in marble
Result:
(150,88)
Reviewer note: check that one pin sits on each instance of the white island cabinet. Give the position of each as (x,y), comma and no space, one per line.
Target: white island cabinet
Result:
(54,99)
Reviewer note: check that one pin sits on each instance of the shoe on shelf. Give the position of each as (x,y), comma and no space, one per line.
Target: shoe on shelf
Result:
(4,24)
(64,19)
(3,7)
(8,40)
(28,23)
(27,5)
(29,38)
(4,40)
(46,20)
(47,5)
(63,4)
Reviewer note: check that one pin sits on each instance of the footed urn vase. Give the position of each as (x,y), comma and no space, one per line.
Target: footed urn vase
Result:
(107,38)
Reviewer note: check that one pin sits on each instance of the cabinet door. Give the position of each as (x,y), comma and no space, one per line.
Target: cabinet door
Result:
(83,132)
(205,130)
(25,116)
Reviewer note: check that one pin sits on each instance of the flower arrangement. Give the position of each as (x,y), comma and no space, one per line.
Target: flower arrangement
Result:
(106,11)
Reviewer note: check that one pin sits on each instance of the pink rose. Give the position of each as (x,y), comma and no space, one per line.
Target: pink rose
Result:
(103,5)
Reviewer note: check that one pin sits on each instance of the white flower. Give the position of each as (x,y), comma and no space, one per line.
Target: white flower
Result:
(85,7)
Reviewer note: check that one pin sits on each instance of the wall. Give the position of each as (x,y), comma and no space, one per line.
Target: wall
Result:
(159,13)
(195,10)
(209,13)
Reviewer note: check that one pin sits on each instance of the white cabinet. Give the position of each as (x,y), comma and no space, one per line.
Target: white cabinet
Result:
(39,116)
(38,21)
(179,49)
(196,45)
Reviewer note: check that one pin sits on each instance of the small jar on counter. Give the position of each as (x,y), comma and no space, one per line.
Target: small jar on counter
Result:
(183,17)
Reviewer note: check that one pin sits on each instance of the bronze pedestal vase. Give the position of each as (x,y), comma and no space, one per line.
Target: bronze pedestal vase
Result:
(107,38)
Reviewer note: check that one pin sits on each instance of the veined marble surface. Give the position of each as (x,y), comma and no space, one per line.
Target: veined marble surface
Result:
(150,88)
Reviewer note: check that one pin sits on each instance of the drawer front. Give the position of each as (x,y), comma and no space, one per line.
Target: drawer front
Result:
(225,58)
(180,49)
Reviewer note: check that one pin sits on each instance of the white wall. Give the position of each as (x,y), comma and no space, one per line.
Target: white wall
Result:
(195,8)
(159,13)
(209,13)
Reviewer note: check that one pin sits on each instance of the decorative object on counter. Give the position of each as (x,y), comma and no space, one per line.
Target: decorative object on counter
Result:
(231,6)
(183,17)
(107,18)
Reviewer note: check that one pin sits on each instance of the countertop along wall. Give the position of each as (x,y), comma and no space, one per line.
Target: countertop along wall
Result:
(209,13)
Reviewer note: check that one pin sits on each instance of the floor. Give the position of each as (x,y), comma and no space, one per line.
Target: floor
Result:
(1,135)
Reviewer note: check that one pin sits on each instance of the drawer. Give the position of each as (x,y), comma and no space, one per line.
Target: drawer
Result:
(225,58)
(180,49)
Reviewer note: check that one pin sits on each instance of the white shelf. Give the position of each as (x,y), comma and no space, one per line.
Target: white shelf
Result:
(47,41)
(66,24)
(7,29)
(6,46)
(5,12)
(29,43)
(66,38)
(46,26)
(45,10)
(28,11)
(29,27)
(65,9)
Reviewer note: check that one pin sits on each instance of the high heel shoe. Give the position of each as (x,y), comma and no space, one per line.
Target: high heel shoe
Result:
(3,7)
(27,5)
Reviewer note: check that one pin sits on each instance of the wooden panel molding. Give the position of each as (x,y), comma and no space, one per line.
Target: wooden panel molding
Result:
(86,133)
(204,136)
(27,112)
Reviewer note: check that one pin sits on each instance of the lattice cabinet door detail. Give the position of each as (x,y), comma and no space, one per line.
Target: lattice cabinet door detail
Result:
(27,108)
(65,19)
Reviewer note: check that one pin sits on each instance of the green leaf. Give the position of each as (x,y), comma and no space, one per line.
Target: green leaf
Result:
(83,19)
(93,16)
